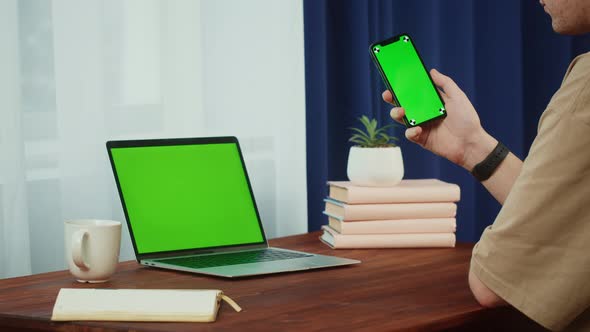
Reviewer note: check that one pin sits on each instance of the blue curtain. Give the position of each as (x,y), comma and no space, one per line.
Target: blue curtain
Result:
(503,54)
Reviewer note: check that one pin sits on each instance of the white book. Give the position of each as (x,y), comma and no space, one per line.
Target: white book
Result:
(425,240)
(139,305)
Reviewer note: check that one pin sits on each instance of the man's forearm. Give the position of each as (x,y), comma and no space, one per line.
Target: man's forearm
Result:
(503,178)
(501,182)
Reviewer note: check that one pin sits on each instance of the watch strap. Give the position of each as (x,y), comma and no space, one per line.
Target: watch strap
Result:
(483,170)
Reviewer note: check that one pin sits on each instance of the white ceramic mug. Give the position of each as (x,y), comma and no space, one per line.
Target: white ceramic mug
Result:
(92,248)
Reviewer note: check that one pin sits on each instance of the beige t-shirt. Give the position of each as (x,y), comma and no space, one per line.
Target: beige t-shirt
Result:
(536,255)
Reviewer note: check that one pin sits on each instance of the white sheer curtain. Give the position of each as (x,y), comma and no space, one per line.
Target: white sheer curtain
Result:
(78,73)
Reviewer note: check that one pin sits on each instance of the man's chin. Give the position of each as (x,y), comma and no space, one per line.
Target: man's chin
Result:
(562,30)
(558,29)
(569,30)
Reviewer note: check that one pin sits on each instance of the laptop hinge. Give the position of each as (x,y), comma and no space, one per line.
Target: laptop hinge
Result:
(180,253)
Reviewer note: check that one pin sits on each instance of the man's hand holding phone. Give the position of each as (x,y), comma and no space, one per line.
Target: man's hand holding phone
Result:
(459,137)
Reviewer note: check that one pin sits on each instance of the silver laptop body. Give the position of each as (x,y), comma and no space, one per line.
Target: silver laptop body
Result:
(227,260)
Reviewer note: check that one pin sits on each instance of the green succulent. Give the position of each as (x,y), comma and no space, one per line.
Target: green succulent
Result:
(372,136)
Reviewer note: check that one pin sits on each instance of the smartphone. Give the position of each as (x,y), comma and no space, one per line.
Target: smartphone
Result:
(404,74)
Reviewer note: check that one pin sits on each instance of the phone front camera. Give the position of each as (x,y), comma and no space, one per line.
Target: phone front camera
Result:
(376,50)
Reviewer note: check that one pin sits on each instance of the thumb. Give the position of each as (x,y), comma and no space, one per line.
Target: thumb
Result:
(446,83)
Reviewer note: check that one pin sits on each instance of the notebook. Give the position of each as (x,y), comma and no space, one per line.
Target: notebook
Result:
(189,206)
(139,305)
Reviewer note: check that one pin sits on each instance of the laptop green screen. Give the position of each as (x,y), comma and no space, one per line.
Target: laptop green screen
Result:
(186,196)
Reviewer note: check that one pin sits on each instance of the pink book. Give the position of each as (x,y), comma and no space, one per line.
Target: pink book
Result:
(407,191)
(352,212)
(426,240)
(433,225)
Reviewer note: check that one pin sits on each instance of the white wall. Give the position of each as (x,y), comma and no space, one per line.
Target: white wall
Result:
(14,228)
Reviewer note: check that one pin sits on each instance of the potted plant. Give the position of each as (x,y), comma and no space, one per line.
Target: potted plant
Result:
(375,160)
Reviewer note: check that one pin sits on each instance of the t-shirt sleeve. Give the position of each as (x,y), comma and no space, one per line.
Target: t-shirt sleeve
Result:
(536,255)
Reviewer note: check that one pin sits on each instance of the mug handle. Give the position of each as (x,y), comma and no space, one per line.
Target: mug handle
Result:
(77,251)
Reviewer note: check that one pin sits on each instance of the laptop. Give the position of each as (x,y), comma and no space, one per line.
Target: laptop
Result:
(189,207)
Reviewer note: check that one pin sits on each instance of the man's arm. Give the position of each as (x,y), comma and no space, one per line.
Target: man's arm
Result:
(484,296)
(503,178)
(499,185)
(461,139)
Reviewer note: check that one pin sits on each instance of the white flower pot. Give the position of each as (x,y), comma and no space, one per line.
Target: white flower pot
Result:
(375,167)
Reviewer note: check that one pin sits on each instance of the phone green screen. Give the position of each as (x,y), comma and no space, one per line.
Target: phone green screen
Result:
(404,73)
(186,196)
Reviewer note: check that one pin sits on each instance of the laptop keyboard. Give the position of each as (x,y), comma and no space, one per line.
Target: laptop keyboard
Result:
(235,258)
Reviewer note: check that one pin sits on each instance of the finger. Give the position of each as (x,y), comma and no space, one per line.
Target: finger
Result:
(397,113)
(443,95)
(386,95)
(447,84)
(413,134)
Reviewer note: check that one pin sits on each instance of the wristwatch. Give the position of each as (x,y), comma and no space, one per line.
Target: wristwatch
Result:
(486,168)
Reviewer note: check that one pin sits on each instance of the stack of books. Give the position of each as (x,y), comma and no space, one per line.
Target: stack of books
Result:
(413,214)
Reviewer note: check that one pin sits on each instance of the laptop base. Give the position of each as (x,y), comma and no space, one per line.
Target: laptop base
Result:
(253,269)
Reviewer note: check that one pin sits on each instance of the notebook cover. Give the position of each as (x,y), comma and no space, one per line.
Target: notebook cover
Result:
(139,305)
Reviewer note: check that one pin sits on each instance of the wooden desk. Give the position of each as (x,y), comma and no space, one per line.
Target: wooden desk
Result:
(393,290)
